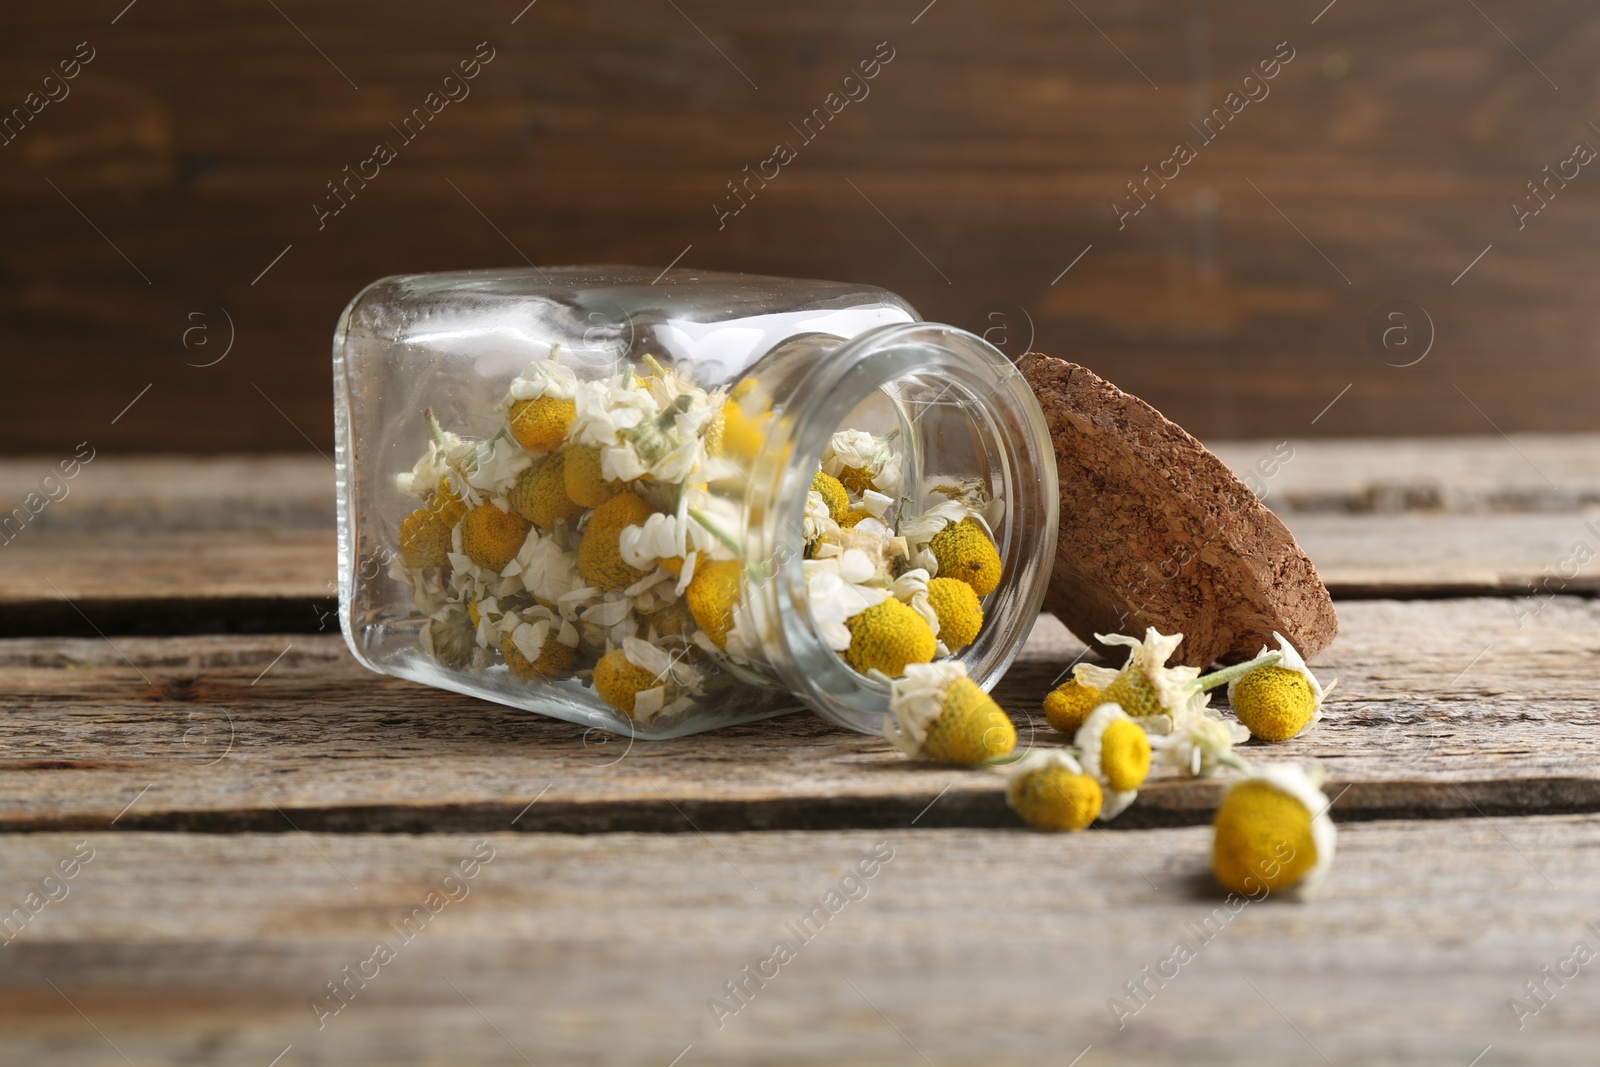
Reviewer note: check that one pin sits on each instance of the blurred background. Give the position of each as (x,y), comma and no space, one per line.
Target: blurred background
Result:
(1393,234)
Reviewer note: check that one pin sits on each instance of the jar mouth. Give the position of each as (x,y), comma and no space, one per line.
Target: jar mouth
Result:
(942,382)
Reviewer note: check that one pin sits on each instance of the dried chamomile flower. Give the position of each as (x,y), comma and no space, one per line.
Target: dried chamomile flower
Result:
(444,449)
(542,567)
(973,494)
(491,537)
(818,524)
(678,681)
(659,540)
(959,613)
(1049,790)
(1115,751)
(449,637)
(919,530)
(600,559)
(742,426)
(1068,705)
(836,592)
(712,595)
(862,461)
(938,713)
(1278,701)
(887,637)
(582,478)
(534,649)
(540,494)
(962,550)
(618,681)
(643,681)
(424,539)
(911,589)
(1273,831)
(1146,687)
(541,425)
(446,502)
(544,377)
(540,404)
(832,493)
(492,466)
(1200,744)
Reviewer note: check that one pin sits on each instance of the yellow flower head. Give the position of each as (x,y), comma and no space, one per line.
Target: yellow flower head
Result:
(491,537)
(833,495)
(938,713)
(447,502)
(1116,752)
(712,594)
(600,561)
(1069,704)
(1273,832)
(1049,791)
(964,551)
(888,636)
(541,425)
(540,494)
(580,475)
(618,681)
(956,605)
(739,429)
(1146,687)
(554,658)
(424,539)
(853,516)
(1279,701)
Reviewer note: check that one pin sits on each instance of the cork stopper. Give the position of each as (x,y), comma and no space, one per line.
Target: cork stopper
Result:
(1157,531)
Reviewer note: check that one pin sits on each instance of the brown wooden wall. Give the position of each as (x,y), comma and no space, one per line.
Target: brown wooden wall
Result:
(1384,159)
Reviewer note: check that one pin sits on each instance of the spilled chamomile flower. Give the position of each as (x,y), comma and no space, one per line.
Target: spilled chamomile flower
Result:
(936,712)
(1049,790)
(1277,702)
(1273,830)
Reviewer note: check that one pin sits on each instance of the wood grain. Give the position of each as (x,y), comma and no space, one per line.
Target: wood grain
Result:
(963,948)
(1444,708)
(995,143)
(230,544)
(1458,475)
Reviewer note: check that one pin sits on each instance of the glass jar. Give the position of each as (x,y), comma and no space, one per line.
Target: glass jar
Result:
(594,493)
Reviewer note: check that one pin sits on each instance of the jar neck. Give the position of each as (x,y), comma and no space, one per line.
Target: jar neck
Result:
(964,411)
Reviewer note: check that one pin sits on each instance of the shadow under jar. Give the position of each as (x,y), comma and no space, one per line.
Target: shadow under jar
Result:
(662,504)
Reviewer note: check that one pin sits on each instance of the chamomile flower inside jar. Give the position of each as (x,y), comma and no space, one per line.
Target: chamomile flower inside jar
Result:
(661,505)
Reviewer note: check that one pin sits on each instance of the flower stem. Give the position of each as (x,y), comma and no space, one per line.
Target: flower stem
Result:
(1238,763)
(716,531)
(1207,682)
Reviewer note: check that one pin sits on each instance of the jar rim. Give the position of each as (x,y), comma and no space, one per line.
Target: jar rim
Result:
(1016,435)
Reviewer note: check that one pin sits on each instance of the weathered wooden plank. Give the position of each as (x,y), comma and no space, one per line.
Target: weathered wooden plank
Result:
(1487,473)
(158,576)
(962,947)
(242,543)
(1444,708)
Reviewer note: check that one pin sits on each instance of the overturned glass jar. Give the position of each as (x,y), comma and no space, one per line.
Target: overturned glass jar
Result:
(662,504)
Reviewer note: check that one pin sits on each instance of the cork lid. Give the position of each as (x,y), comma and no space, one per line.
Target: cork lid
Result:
(1157,531)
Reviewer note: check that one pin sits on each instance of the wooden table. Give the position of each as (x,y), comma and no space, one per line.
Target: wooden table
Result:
(247,814)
